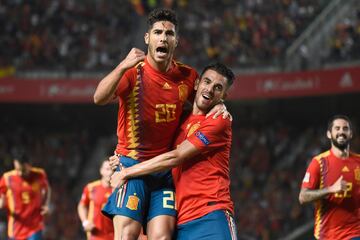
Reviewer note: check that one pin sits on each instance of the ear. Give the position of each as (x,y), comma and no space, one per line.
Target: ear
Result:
(224,97)
(328,134)
(146,38)
(196,86)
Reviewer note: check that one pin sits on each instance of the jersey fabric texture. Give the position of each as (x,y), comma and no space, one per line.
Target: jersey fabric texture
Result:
(337,216)
(202,183)
(150,105)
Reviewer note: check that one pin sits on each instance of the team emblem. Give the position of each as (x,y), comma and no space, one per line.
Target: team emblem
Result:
(183,92)
(133,202)
(193,128)
(357,174)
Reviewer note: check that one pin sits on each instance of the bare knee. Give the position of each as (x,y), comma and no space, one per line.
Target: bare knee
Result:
(126,228)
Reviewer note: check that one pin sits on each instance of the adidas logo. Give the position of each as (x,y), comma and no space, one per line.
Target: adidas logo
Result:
(166,86)
(345,169)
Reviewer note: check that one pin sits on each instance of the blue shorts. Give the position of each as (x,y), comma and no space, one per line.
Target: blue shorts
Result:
(35,236)
(142,198)
(219,225)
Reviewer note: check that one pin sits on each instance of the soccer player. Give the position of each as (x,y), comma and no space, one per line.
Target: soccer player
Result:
(94,196)
(332,182)
(152,90)
(25,194)
(200,162)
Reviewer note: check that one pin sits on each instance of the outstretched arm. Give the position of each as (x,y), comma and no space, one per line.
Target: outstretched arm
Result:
(307,195)
(185,151)
(106,89)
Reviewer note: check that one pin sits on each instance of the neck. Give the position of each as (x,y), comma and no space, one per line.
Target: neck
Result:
(341,153)
(105,183)
(161,67)
(197,111)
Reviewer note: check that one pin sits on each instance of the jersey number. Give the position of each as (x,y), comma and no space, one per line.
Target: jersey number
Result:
(25,197)
(165,113)
(169,200)
(346,193)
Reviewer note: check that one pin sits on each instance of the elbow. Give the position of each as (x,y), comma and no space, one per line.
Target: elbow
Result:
(301,200)
(98,100)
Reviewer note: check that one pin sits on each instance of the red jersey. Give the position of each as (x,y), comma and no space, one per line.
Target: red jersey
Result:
(24,199)
(337,216)
(150,105)
(95,196)
(202,184)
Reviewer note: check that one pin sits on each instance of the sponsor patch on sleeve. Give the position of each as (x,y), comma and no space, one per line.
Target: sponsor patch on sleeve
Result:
(202,138)
(306,177)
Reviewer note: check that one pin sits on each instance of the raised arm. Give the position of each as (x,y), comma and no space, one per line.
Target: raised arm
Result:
(186,150)
(307,195)
(106,88)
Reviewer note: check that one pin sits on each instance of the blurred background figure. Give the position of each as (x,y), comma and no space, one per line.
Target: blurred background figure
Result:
(25,194)
(94,197)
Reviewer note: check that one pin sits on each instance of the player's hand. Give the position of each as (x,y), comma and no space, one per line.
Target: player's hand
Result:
(219,109)
(117,179)
(134,56)
(338,186)
(88,225)
(114,162)
(44,210)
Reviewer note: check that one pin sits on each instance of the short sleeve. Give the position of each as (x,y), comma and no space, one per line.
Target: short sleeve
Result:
(312,175)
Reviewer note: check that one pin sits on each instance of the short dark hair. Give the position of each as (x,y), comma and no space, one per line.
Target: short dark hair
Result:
(162,14)
(21,156)
(338,116)
(221,69)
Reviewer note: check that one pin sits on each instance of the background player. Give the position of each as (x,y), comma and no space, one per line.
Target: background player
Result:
(152,91)
(202,159)
(332,183)
(94,196)
(25,194)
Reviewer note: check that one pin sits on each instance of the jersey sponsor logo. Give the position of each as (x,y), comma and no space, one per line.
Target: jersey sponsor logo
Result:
(306,177)
(345,169)
(357,174)
(166,86)
(183,92)
(202,138)
(193,128)
(133,202)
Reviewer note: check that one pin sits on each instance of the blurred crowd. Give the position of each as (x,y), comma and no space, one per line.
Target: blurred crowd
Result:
(91,35)
(345,42)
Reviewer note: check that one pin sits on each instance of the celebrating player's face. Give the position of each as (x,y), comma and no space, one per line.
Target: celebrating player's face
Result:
(162,41)
(210,90)
(340,134)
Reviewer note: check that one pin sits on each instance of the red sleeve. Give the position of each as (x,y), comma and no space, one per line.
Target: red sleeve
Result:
(3,187)
(312,176)
(212,134)
(85,197)
(124,83)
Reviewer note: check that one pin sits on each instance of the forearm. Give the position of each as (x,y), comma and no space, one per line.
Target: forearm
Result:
(82,212)
(157,164)
(107,86)
(307,195)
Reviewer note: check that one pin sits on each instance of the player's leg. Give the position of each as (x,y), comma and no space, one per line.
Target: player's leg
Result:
(126,228)
(161,227)
(218,225)
(162,210)
(127,205)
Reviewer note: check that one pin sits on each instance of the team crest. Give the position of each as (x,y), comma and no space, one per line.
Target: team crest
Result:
(357,174)
(133,203)
(183,92)
(193,128)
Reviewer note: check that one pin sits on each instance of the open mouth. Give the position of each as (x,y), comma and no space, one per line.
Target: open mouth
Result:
(206,96)
(162,50)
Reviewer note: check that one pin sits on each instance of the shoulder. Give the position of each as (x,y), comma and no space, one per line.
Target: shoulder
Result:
(38,171)
(134,70)
(93,184)
(217,123)
(186,70)
(9,174)
(321,156)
